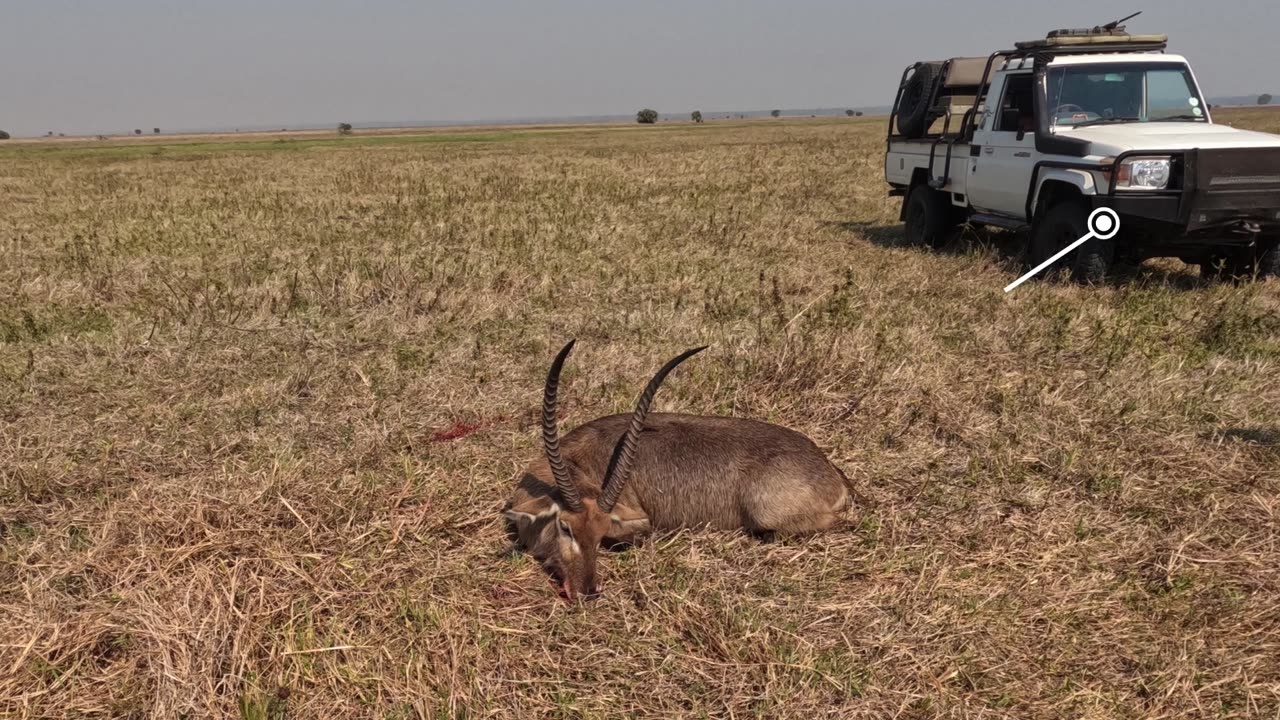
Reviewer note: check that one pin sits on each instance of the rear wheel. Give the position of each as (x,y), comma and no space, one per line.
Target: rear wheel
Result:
(929,217)
(1062,225)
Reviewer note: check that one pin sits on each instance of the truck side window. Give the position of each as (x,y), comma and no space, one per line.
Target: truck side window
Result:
(1017,107)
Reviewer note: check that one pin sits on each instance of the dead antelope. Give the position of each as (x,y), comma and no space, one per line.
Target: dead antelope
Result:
(619,477)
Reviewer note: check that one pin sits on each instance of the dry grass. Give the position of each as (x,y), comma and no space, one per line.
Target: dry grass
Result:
(227,375)
(1266,119)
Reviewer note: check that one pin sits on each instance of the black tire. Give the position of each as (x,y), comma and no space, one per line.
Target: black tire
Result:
(1243,265)
(1269,261)
(1219,267)
(929,218)
(1062,225)
(913,108)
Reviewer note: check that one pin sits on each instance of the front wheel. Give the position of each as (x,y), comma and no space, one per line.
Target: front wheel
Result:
(1258,263)
(1218,267)
(1062,225)
(1269,261)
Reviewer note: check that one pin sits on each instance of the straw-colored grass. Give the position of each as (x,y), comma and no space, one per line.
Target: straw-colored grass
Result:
(260,404)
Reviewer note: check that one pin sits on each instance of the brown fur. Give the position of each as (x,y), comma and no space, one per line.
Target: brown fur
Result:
(691,471)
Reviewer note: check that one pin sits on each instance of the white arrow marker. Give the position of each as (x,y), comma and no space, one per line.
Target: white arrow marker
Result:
(1104,223)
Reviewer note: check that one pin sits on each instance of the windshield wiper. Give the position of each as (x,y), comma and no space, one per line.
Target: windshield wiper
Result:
(1178,118)
(1103,121)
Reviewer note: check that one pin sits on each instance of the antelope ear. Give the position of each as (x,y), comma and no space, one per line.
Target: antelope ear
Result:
(530,511)
(627,523)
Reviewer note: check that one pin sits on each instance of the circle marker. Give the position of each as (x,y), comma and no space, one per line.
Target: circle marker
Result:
(1104,223)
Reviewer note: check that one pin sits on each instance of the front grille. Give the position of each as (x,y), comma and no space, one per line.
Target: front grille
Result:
(1245,180)
(1236,169)
(1233,185)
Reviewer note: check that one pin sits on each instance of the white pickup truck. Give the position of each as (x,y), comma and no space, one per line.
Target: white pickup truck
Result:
(1084,119)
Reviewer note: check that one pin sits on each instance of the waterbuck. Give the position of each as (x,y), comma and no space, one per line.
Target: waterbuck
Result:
(619,477)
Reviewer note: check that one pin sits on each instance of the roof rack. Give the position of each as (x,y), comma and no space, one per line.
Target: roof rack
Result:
(1085,44)
(1111,37)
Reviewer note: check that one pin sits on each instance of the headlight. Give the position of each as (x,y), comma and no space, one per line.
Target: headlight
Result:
(1144,174)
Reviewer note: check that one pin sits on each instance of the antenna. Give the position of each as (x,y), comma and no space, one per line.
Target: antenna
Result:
(1116,23)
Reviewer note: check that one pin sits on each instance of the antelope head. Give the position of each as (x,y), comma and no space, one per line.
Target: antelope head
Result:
(563,530)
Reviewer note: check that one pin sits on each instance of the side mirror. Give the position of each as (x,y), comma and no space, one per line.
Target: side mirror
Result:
(1021,134)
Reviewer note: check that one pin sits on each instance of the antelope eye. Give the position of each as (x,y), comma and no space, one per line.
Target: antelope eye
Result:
(564,528)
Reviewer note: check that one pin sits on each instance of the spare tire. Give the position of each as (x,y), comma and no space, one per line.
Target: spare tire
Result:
(913,107)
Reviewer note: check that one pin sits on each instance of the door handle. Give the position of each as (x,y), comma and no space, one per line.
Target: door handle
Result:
(1022,153)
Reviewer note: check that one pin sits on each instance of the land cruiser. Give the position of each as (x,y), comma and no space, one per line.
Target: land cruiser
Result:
(1084,119)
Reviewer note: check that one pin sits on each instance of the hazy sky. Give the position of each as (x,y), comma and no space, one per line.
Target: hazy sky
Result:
(113,65)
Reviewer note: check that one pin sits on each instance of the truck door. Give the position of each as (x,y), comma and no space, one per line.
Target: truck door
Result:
(1000,172)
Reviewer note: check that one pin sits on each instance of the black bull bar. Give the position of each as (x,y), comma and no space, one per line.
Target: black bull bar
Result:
(1214,189)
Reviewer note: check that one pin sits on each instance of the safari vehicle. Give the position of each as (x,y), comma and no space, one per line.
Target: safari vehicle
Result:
(1033,139)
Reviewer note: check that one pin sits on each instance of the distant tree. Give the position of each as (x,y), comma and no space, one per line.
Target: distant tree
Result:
(848,113)
(62,134)
(344,128)
(858,114)
(647,116)
(155,131)
(775,113)
(4,135)
(102,137)
(49,134)
(137,131)
(1264,99)
(696,116)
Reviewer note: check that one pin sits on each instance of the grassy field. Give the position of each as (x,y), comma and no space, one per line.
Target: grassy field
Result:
(260,404)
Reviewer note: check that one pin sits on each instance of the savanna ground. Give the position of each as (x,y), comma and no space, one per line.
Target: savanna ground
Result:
(261,402)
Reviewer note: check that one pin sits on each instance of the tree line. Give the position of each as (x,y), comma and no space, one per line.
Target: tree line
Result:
(649,116)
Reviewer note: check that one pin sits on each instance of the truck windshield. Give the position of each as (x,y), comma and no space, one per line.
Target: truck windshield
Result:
(1130,92)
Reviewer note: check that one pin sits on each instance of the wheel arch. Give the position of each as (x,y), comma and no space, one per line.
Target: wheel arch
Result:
(1056,184)
(919,176)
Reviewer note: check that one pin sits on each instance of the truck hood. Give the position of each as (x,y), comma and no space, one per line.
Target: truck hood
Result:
(1115,139)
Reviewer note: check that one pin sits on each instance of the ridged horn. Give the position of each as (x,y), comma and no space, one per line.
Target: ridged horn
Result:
(551,436)
(624,457)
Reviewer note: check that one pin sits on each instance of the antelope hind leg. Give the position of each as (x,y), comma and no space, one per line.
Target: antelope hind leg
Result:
(796,513)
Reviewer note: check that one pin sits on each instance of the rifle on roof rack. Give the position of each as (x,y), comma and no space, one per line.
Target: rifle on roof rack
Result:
(1115,24)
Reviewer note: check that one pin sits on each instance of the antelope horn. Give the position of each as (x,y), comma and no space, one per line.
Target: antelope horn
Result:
(551,436)
(625,455)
